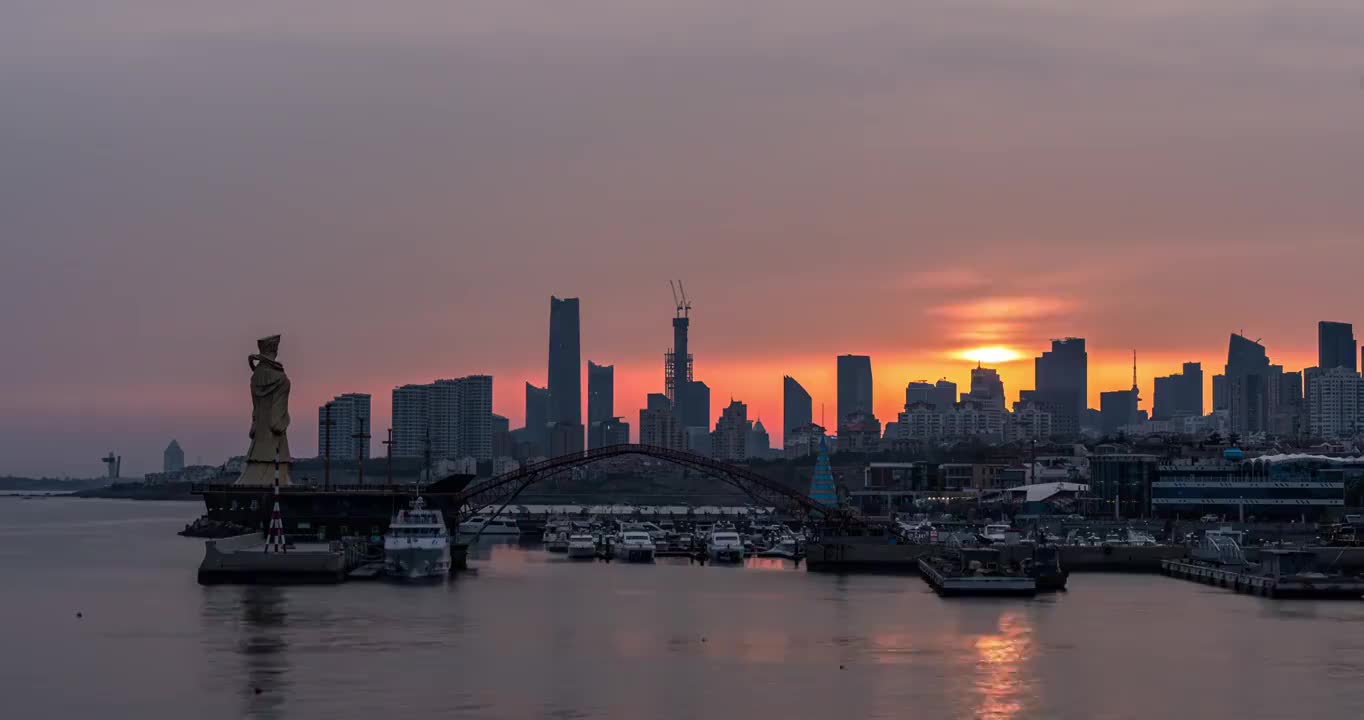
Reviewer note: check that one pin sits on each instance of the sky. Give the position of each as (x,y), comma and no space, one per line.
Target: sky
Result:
(398,188)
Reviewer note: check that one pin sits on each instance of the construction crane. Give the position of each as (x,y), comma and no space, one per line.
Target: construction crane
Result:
(680,298)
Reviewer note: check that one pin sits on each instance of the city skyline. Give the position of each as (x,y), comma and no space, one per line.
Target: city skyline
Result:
(889,393)
(909,181)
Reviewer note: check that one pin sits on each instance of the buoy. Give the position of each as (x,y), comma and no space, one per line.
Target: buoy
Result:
(840,667)
(703,638)
(258,691)
(80,615)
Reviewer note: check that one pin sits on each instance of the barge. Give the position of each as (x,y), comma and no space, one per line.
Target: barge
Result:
(975,572)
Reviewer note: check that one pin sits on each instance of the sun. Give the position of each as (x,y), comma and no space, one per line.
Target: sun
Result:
(992,354)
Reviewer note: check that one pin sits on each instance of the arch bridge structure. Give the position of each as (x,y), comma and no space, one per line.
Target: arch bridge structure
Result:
(501,491)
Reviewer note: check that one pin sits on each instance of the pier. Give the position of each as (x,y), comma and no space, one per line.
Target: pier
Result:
(1280,575)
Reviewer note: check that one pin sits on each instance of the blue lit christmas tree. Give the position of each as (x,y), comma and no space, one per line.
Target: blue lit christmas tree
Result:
(822,489)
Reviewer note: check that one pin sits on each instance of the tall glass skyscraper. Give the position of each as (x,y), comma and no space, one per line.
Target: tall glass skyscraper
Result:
(1062,383)
(565,363)
(601,392)
(1336,346)
(1247,385)
(797,410)
(854,386)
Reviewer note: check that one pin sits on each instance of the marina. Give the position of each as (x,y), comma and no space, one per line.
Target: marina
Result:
(299,643)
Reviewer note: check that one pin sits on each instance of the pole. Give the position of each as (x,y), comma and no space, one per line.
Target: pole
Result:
(360,447)
(388,455)
(327,448)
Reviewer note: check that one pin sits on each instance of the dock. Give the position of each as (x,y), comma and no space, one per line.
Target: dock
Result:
(873,554)
(1282,574)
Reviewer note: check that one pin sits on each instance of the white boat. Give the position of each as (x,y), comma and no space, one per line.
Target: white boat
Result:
(581,547)
(787,548)
(488,525)
(998,532)
(725,546)
(659,535)
(555,537)
(635,546)
(417,544)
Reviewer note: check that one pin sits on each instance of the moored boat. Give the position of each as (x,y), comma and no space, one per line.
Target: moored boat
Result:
(581,547)
(725,546)
(484,525)
(975,571)
(417,544)
(635,546)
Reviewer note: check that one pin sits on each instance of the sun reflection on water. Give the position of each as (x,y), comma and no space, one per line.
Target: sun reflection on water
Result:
(1001,680)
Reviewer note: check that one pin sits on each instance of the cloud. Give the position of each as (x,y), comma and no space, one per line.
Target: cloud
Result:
(1009,309)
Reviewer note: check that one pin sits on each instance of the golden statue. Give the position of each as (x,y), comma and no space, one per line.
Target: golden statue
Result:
(269,417)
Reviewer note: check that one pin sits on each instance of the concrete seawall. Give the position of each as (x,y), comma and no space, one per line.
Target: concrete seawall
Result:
(243,560)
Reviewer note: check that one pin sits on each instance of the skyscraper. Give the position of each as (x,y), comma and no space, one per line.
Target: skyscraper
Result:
(946,394)
(1219,392)
(987,388)
(797,410)
(658,426)
(681,368)
(921,392)
(1287,412)
(450,418)
(173,459)
(730,439)
(1247,383)
(565,363)
(537,417)
(1180,394)
(1336,405)
(1118,408)
(601,392)
(854,386)
(350,417)
(1336,346)
(759,442)
(696,412)
(409,421)
(612,431)
(1062,383)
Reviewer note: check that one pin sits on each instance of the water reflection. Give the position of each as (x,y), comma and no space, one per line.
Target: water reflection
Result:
(1002,682)
(263,649)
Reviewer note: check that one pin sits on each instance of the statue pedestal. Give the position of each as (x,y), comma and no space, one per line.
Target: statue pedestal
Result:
(263,473)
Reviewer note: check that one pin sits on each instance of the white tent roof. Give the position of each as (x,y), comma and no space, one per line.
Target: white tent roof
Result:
(1043,491)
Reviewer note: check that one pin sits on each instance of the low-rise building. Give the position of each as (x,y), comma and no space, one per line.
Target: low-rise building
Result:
(1283,487)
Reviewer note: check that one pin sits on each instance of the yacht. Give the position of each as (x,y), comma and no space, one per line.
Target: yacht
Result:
(417,544)
(488,525)
(787,548)
(725,546)
(581,547)
(998,532)
(656,532)
(556,537)
(636,546)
